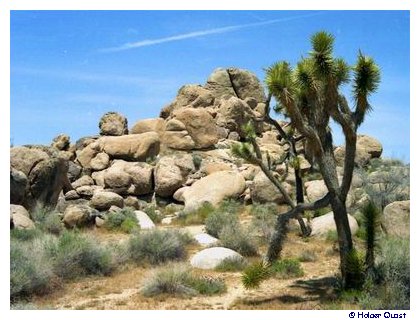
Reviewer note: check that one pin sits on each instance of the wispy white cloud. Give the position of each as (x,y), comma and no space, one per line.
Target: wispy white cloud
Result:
(95,77)
(202,33)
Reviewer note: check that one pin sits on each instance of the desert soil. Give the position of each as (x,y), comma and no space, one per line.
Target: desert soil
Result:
(314,290)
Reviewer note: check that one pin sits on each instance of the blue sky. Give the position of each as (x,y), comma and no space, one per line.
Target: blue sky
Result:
(70,67)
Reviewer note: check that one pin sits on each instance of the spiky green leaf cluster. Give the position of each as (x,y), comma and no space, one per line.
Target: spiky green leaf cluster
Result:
(322,49)
(242,150)
(315,81)
(371,225)
(355,269)
(279,77)
(249,131)
(255,274)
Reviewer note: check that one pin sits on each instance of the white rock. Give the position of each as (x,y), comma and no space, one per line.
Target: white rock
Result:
(167,220)
(144,221)
(325,223)
(205,239)
(210,258)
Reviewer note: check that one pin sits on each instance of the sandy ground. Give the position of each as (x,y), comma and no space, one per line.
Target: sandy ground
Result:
(122,290)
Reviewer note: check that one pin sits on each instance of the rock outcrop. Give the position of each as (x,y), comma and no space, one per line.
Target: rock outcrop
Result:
(113,124)
(396,218)
(213,189)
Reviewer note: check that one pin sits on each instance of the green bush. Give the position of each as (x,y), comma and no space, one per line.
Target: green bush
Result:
(157,246)
(52,224)
(197,159)
(331,236)
(198,216)
(30,270)
(225,215)
(238,239)
(25,234)
(47,220)
(390,286)
(180,280)
(124,220)
(74,255)
(264,218)
(232,264)
(150,210)
(287,268)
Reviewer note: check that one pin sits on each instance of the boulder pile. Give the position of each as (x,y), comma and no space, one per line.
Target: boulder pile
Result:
(183,157)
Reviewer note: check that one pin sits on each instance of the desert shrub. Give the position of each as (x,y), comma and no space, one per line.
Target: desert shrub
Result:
(124,220)
(198,216)
(264,218)
(157,246)
(53,224)
(307,256)
(389,287)
(25,234)
(47,220)
(197,159)
(30,270)
(232,264)
(225,215)
(152,211)
(21,305)
(331,236)
(287,268)
(180,280)
(114,220)
(238,239)
(74,254)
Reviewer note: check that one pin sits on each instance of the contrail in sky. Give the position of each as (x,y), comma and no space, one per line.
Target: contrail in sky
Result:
(202,33)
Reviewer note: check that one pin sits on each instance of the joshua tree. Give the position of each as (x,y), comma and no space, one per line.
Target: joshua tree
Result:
(310,96)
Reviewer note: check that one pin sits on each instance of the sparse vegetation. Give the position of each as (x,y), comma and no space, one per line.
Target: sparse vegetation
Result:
(389,286)
(124,220)
(225,215)
(199,216)
(30,269)
(331,236)
(232,265)
(254,274)
(179,280)
(157,246)
(197,159)
(235,237)
(287,268)
(263,220)
(74,255)
(153,213)
(307,256)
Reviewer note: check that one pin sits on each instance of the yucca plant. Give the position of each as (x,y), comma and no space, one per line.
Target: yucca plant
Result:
(371,225)
(256,273)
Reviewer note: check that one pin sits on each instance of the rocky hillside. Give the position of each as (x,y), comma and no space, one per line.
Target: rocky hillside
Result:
(182,157)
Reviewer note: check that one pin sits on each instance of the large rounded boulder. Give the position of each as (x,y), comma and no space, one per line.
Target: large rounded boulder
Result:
(132,147)
(262,190)
(213,189)
(396,218)
(200,125)
(210,258)
(113,124)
